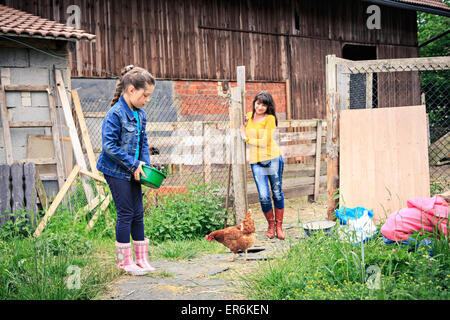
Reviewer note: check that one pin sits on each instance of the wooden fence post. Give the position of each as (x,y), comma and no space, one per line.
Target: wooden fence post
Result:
(318,156)
(17,186)
(29,172)
(332,151)
(5,194)
(238,156)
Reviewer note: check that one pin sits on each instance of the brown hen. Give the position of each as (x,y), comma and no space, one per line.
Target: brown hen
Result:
(236,238)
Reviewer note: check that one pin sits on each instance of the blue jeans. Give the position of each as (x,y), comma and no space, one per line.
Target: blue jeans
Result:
(265,172)
(410,242)
(127,196)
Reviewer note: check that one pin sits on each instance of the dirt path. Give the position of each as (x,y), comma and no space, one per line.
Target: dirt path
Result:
(212,276)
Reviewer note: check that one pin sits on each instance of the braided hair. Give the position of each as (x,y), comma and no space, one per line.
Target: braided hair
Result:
(136,76)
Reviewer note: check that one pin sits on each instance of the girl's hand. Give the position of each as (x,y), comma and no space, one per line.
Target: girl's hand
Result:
(137,173)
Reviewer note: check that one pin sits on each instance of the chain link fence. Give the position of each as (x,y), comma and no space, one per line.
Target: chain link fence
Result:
(187,136)
(408,85)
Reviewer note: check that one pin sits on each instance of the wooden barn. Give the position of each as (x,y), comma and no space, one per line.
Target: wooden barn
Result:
(282,44)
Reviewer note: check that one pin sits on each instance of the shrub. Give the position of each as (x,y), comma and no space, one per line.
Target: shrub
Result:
(185,216)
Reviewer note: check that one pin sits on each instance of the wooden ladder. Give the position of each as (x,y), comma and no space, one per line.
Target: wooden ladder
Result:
(7,125)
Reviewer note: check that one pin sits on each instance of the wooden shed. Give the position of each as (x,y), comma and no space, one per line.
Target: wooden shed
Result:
(33,128)
(283,44)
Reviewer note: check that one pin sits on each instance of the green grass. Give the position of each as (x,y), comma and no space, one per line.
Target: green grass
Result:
(68,263)
(184,249)
(51,268)
(323,267)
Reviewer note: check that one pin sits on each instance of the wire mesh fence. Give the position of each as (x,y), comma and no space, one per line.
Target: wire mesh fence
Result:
(187,136)
(408,85)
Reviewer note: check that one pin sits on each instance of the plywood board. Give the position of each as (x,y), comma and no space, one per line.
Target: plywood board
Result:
(41,146)
(383,158)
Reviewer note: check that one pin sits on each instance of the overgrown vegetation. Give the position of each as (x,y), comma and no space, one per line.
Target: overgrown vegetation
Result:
(185,216)
(67,262)
(323,267)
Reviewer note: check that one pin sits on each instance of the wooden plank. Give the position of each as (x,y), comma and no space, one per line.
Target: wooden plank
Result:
(26,88)
(89,207)
(41,191)
(298,150)
(93,175)
(96,215)
(73,133)
(332,152)
(85,136)
(38,160)
(238,156)
(58,143)
(288,99)
(5,126)
(62,192)
(382,162)
(396,65)
(17,193)
(29,172)
(29,124)
(5,193)
(317,160)
(84,131)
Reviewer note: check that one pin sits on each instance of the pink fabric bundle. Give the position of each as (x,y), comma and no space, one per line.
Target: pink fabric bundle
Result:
(420,214)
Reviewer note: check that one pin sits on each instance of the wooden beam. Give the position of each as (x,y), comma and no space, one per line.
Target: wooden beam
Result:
(93,175)
(288,99)
(5,126)
(62,192)
(73,132)
(238,156)
(85,136)
(38,160)
(318,156)
(41,191)
(29,124)
(396,65)
(57,141)
(332,109)
(26,88)
(96,215)
(89,207)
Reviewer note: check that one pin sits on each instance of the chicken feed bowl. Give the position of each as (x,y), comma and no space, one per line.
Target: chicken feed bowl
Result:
(315,226)
(154,177)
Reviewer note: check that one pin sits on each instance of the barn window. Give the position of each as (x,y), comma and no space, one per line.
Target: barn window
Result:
(358,94)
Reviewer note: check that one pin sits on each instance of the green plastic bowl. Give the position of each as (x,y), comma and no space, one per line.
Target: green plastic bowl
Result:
(154,177)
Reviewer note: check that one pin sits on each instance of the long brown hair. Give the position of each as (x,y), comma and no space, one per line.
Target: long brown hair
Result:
(265,97)
(136,76)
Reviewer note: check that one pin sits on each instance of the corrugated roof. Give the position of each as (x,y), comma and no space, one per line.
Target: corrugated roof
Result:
(429,3)
(16,22)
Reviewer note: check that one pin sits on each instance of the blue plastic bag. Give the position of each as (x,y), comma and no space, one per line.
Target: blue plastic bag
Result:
(355,224)
(344,214)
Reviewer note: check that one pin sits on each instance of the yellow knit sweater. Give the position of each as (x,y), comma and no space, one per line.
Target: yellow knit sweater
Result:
(260,137)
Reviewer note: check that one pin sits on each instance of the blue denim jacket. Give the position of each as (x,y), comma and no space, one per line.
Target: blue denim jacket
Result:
(119,142)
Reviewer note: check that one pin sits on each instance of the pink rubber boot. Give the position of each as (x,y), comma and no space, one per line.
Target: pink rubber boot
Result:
(141,254)
(124,255)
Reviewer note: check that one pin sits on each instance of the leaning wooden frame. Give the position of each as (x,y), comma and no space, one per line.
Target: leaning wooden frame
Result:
(104,200)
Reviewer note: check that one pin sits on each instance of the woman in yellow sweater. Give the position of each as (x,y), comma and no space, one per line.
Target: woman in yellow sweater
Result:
(265,160)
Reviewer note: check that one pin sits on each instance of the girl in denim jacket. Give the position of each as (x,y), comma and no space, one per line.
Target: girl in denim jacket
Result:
(124,150)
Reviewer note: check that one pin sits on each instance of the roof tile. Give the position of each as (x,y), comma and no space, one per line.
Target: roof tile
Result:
(23,23)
